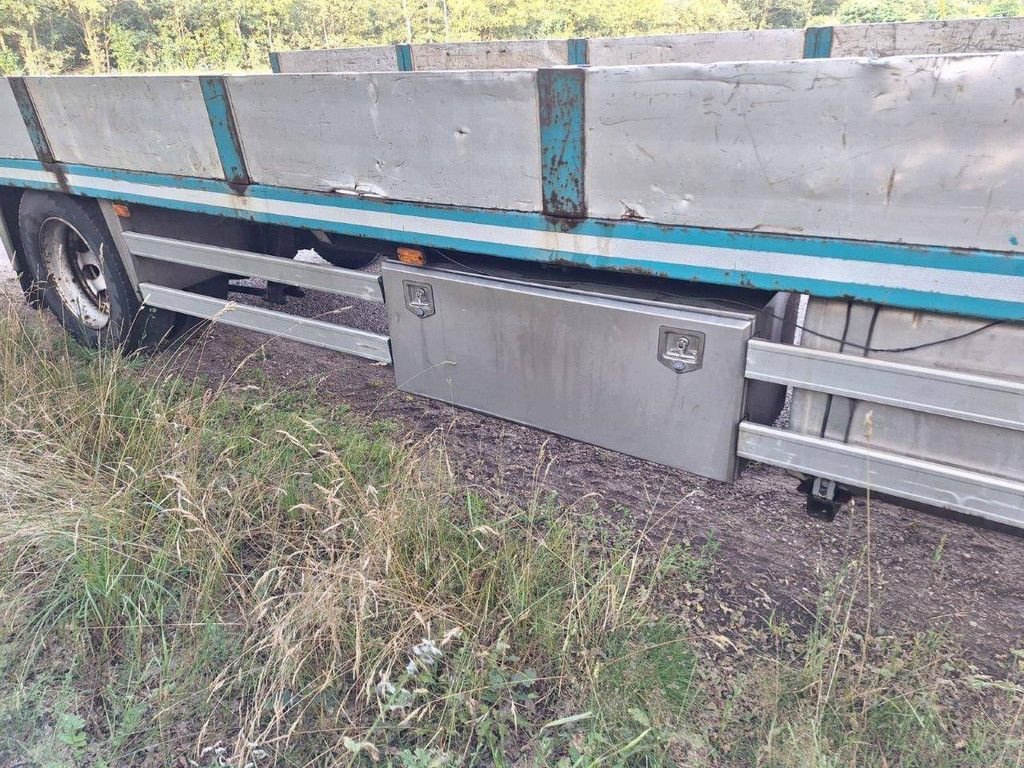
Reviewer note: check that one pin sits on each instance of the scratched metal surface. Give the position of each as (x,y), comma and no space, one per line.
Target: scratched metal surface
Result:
(14,138)
(463,138)
(928,37)
(907,149)
(152,123)
(760,45)
(505,54)
(871,40)
(380,58)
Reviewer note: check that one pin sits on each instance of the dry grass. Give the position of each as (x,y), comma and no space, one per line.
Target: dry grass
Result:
(315,588)
(204,577)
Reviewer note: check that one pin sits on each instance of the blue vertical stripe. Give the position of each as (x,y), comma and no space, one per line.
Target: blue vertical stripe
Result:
(275,62)
(403,52)
(817,42)
(218,107)
(31,118)
(579,53)
(560,92)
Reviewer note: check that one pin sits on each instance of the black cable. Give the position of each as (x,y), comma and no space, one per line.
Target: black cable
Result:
(842,345)
(867,340)
(863,347)
(914,348)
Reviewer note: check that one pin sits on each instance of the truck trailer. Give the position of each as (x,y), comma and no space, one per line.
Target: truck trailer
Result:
(608,239)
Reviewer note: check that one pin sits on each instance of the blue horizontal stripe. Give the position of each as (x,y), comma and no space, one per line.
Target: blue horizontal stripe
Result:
(890,253)
(21,165)
(993,262)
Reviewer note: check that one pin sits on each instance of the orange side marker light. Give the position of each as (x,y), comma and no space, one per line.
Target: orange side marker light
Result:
(412,256)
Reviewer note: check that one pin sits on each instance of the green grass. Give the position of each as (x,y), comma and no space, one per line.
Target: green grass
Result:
(238,576)
(850,700)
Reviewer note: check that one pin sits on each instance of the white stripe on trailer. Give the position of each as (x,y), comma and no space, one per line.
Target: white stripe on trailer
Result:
(947,282)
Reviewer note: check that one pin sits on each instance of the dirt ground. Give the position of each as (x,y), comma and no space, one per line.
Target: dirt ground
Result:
(931,571)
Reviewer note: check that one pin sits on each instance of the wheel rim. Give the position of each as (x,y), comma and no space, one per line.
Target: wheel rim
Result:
(75,272)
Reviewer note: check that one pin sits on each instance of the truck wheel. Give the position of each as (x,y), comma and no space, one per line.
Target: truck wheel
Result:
(70,255)
(346,259)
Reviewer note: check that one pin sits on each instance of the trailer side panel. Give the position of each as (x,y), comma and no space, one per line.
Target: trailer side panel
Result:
(915,150)
(928,37)
(467,138)
(746,45)
(156,124)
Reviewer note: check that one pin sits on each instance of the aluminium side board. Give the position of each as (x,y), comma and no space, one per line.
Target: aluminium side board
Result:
(505,54)
(872,40)
(892,180)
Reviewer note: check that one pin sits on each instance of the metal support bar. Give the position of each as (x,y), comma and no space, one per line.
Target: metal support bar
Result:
(937,485)
(346,282)
(225,133)
(315,332)
(817,42)
(969,397)
(578,52)
(403,53)
(28,113)
(560,92)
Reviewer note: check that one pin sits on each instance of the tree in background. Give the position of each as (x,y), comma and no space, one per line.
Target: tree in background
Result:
(1005,8)
(778,14)
(31,41)
(92,36)
(709,16)
(92,19)
(872,11)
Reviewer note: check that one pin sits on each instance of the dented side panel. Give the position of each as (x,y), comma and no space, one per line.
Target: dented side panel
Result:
(380,58)
(502,54)
(747,45)
(466,138)
(908,149)
(158,124)
(929,37)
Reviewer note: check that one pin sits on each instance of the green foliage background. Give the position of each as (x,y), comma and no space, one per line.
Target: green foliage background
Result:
(95,36)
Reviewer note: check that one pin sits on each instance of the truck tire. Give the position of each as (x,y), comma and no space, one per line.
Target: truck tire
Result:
(347,259)
(72,259)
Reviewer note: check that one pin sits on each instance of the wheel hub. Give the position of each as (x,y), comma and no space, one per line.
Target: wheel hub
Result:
(75,272)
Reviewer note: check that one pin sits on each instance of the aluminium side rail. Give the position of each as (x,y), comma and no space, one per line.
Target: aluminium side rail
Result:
(850,40)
